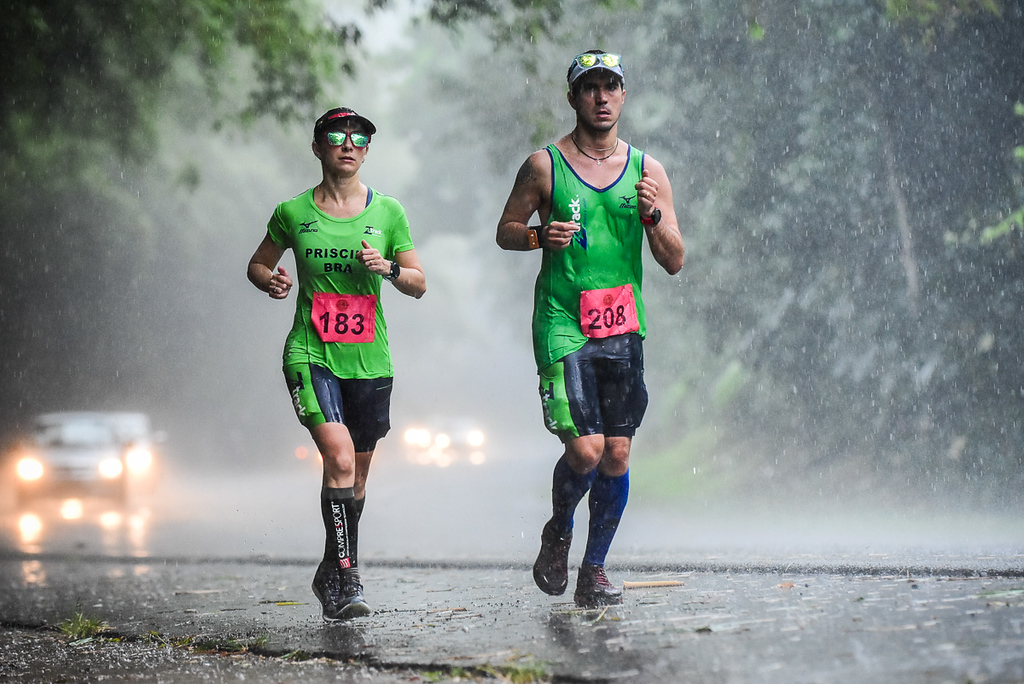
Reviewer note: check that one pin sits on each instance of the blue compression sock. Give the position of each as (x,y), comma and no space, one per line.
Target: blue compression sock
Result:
(567,489)
(608,497)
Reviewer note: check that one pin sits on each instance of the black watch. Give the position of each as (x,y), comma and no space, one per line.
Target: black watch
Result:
(395,271)
(652,220)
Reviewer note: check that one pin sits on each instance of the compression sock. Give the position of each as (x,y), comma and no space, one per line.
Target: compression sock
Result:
(607,502)
(337,506)
(567,489)
(357,506)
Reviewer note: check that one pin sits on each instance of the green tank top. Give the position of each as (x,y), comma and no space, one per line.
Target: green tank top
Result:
(605,253)
(338,302)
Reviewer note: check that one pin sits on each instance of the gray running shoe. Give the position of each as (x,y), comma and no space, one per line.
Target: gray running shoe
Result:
(327,588)
(352,604)
(593,588)
(551,569)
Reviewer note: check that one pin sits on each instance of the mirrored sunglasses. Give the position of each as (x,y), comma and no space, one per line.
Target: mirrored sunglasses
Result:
(589,60)
(336,138)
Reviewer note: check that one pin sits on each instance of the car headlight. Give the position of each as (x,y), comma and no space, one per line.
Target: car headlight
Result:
(442,441)
(417,437)
(30,469)
(139,459)
(475,438)
(111,468)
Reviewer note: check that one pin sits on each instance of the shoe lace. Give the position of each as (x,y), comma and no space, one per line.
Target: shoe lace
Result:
(351,585)
(599,578)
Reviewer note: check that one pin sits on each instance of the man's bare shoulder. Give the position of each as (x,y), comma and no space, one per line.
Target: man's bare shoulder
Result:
(535,170)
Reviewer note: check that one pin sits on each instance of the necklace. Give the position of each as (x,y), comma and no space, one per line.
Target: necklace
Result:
(597,159)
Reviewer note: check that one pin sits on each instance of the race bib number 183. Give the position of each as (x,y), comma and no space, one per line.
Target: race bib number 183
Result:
(343,317)
(607,312)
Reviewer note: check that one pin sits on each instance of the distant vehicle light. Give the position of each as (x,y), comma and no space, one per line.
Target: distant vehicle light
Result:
(111,468)
(71,509)
(475,438)
(110,520)
(139,459)
(30,469)
(30,527)
(442,441)
(417,437)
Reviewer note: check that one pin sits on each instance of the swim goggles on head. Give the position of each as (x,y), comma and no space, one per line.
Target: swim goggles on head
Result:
(588,60)
(336,138)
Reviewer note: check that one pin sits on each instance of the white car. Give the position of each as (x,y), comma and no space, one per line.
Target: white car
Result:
(80,453)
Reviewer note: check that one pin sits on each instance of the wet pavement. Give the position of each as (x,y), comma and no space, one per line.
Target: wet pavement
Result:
(741,618)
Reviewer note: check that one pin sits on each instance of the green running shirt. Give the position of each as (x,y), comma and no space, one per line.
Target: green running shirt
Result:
(325,260)
(606,252)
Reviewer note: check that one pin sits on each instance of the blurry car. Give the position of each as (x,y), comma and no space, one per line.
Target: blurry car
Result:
(86,453)
(444,442)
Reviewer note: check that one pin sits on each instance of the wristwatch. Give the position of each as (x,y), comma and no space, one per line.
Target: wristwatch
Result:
(395,271)
(652,220)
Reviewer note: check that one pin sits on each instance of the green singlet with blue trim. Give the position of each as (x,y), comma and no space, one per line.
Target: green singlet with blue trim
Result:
(605,252)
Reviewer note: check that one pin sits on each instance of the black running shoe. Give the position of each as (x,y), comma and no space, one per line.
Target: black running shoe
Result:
(327,588)
(593,588)
(352,604)
(551,570)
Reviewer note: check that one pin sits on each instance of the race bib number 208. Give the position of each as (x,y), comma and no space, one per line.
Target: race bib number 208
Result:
(607,312)
(344,318)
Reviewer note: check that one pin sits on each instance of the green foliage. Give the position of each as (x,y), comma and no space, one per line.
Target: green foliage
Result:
(937,11)
(819,160)
(1015,221)
(87,87)
(96,71)
(927,20)
(80,626)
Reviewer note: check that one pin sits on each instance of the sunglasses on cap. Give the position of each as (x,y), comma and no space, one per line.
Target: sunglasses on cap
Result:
(589,60)
(336,138)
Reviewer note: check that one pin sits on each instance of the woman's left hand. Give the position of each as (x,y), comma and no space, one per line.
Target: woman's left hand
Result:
(372,259)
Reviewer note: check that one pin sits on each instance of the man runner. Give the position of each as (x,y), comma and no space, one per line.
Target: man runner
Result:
(596,198)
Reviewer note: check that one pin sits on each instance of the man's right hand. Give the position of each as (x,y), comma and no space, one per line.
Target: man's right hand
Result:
(557,235)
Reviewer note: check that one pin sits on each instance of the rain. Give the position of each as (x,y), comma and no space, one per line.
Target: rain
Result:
(835,376)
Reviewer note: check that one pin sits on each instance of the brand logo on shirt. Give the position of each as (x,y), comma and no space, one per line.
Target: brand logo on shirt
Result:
(370,230)
(306,227)
(576,207)
(627,201)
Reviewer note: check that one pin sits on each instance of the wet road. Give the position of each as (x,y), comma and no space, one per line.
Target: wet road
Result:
(446,554)
(716,625)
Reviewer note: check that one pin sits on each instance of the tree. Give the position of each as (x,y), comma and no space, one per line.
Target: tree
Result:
(829,167)
(85,85)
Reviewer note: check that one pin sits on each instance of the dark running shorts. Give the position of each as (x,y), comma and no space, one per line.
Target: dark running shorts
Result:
(598,389)
(363,406)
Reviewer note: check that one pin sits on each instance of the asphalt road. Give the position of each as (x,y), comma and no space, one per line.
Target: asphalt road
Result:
(750,623)
(219,569)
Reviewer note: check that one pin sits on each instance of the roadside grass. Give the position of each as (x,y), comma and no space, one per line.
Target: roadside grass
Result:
(80,626)
(509,674)
(82,629)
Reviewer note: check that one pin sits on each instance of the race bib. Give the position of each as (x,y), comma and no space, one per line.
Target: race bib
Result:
(607,312)
(343,317)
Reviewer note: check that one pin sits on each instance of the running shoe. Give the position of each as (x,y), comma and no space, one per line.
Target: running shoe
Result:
(551,570)
(352,604)
(593,588)
(327,588)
